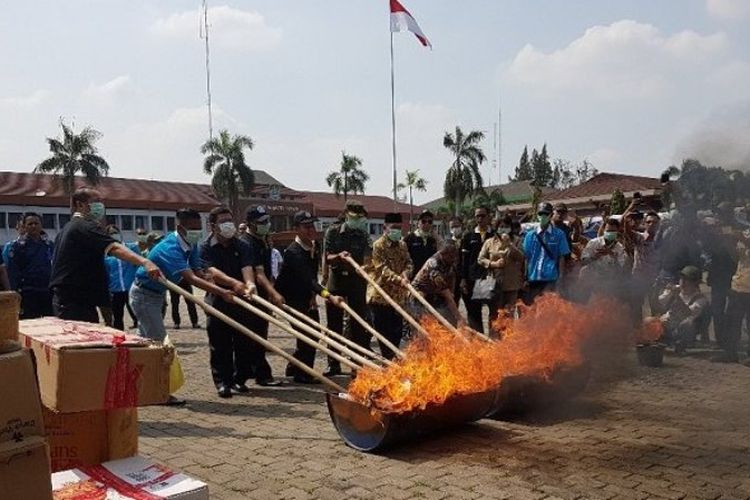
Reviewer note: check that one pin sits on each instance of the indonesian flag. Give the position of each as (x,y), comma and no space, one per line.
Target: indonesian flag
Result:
(402,20)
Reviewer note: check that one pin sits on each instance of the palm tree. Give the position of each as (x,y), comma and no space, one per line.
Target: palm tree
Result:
(350,178)
(463,177)
(226,161)
(413,181)
(73,154)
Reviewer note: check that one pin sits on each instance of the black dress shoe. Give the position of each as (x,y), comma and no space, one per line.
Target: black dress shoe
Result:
(332,371)
(241,388)
(196,326)
(269,382)
(176,327)
(225,392)
(173,401)
(306,379)
(290,370)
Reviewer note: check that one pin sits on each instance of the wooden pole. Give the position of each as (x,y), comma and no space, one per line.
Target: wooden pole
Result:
(336,336)
(395,305)
(359,319)
(307,329)
(447,324)
(247,332)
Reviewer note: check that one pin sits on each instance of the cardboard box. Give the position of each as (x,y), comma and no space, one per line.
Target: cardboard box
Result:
(131,478)
(90,437)
(10,307)
(20,409)
(84,367)
(24,470)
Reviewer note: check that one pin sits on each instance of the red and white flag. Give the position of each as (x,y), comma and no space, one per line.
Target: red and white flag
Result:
(401,20)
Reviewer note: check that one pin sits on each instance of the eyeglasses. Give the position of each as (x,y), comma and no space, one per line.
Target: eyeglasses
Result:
(480,215)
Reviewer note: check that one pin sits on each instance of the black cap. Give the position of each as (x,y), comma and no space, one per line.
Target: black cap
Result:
(544,208)
(692,273)
(304,217)
(426,214)
(393,218)
(256,213)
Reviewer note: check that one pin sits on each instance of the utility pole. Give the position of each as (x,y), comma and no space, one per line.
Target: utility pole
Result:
(204,35)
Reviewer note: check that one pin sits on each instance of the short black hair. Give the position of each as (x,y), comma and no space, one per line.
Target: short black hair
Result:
(186,214)
(653,213)
(83,195)
(456,218)
(214,214)
(612,222)
(506,220)
(26,215)
(482,207)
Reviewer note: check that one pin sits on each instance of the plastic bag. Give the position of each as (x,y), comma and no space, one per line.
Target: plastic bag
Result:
(176,375)
(484,289)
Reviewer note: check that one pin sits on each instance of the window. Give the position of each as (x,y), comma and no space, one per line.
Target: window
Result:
(376,229)
(62,219)
(140,222)
(157,223)
(13,218)
(48,221)
(3,219)
(127,222)
(112,220)
(170,223)
(279,223)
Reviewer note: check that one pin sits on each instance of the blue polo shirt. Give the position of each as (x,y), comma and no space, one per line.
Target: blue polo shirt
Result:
(540,265)
(172,255)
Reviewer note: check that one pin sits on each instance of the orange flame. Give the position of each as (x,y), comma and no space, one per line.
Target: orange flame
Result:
(550,334)
(650,332)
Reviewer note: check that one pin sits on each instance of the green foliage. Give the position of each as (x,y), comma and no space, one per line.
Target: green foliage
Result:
(565,174)
(524,171)
(74,154)
(463,177)
(412,182)
(490,200)
(698,187)
(349,178)
(617,204)
(225,161)
(542,168)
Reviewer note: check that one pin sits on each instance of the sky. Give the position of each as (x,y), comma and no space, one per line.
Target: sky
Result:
(633,86)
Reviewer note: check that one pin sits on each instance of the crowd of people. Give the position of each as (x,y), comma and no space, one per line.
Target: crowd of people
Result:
(493,260)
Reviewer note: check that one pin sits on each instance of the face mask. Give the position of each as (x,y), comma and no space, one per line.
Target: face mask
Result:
(543,219)
(456,232)
(263,229)
(142,238)
(96,209)
(503,230)
(358,224)
(610,236)
(227,229)
(193,236)
(394,234)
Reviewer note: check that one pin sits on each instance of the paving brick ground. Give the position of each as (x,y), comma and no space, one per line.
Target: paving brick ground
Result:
(680,431)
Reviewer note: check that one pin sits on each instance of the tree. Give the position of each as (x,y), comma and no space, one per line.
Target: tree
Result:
(489,200)
(225,160)
(349,178)
(412,181)
(565,174)
(524,172)
(73,154)
(463,177)
(542,169)
(617,205)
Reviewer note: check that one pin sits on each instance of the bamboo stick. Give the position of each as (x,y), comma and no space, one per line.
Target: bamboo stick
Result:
(249,333)
(336,336)
(307,329)
(359,319)
(395,305)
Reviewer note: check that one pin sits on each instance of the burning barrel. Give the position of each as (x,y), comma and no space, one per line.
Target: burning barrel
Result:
(368,429)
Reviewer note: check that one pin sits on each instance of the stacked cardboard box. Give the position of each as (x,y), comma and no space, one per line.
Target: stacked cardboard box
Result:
(91,379)
(24,460)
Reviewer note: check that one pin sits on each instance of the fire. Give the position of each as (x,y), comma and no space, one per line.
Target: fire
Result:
(548,335)
(651,331)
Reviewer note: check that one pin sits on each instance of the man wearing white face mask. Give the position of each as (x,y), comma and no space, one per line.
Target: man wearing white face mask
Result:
(229,261)
(258,226)
(79,277)
(603,261)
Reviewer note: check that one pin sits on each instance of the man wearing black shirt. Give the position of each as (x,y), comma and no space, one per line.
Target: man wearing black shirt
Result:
(422,243)
(471,245)
(298,283)
(258,227)
(229,261)
(79,277)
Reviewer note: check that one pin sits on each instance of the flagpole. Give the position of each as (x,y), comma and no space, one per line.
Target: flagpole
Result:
(393,127)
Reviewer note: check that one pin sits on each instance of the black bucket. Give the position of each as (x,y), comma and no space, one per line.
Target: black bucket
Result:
(650,354)
(367,429)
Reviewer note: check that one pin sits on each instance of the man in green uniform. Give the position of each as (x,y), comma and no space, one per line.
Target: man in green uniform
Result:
(349,238)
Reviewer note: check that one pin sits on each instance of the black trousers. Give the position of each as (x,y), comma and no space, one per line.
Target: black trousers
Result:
(119,304)
(738,309)
(36,303)
(355,297)
(66,308)
(174,300)
(537,288)
(230,358)
(473,309)
(304,352)
(258,362)
(719,313)
(387,321)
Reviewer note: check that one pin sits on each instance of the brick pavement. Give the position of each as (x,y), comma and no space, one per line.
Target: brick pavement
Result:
(681,431)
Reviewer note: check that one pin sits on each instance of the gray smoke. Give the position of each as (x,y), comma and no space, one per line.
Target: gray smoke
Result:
(722,140)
